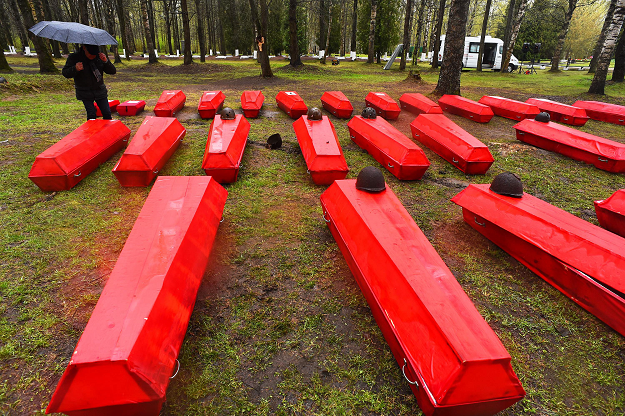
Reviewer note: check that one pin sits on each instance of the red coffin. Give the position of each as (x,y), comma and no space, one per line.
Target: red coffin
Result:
(169,103)
(252,102)
(397,153)
(466,108)
(441,342)
(419,104)
(70,160)
(130,108)
(225,147)
(112,105)
(561,112)
(150,148)
(383,104)
(321,150)
(337,103)
(603,153)
(291,103)
(512,109)
(583,261)
(611,212)
(609,113)
(452,143)
(210,103)
(127,352)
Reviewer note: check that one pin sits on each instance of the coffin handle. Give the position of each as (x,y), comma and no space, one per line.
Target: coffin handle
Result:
(177,369)
(221,220)
(324,217)
(390,166)
(483,224)
(453,159)
(155,172)
(403,370)
(77,174)
(601,160)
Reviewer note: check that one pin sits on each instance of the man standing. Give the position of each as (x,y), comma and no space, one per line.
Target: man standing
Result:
(87,67)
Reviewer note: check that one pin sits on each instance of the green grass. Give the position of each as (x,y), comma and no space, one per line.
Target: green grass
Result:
(280,326)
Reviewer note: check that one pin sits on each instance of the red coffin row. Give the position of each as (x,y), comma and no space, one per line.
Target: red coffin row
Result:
(452,143)
(561,112)
(225,147)
(127,352)
(419,104)
(112,105)
(321,150)
(512,109)
(169,103)
(69,161)
(210,103)
(611,212)
(609,113)
(454,361)
(131,108)
(583,261)
(397,153)
(252,102)
(150,148)
(466,108)
(602,153)
(383,104)
(291,103)
(337,103)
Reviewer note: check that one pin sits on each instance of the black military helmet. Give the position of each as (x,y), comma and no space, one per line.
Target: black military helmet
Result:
(227,114)
(274,141)
(368,112)
(543,117)
(3,80)
(507,184)
(314,114)
(370,179)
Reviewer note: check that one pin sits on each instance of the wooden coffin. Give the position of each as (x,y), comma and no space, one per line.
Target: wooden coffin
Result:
(337,103)
(583,261)
(70,160)
(169,103)
(466,108)
(224,148)
(452,143)
(124,359)
(562,113)
(148,151)
(454,361)
(211,103)
(512,109)
(419,104)
(383,105)
(251,103)
(396,152)
(611,212)
(291,103)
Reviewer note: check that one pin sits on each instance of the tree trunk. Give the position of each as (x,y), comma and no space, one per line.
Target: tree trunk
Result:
(480,55)
(514,32)
(167,17)
(148,32)
(597,85)
(46,63)
(200,30)
(261,31)
(84,12)
(601,39)
(354,26)
(5,30)
(619,59)
(121,15)
(437,33)
(174,19)
(407,27)
(420,25)
(509,23)
(449,77)
(186,27)
(323,23)
(47,15)
(374,10)
(327,45)
(4,65)
(17,18)
(150,8)
(555,60)
(293,45)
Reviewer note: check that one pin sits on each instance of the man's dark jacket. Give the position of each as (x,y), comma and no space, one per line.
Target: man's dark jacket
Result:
(87,87)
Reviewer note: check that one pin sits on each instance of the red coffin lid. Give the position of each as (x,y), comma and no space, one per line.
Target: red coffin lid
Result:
(508,104)
(320,145)
(132,103)
(601,107)
(465,104)
(71,152)
(226,142)
(456,353)
(383,101)
(615,203)
(291,100)
(420,102)
(337,100)
(452,136)
(170,100)
(155,136)
(590,249)
(252,100)
(211,100)
(389,140)
(556,107)
(574,138)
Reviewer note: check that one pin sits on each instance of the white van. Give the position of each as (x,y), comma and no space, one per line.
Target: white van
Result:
(493,53)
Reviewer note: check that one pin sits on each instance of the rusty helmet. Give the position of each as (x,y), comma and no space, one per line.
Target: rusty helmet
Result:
(314,114)
(543,117)
(274,141)
(227,114)
(369,112)
(370,179)
(508,184)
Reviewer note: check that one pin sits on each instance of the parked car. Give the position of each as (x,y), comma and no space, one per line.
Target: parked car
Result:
(493,53)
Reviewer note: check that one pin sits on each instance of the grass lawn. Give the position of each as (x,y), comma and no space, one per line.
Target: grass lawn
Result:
(280,326)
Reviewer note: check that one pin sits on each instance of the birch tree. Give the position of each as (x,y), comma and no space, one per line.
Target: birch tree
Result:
(597,86)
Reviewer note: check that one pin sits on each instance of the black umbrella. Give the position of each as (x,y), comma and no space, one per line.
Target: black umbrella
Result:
(72,32)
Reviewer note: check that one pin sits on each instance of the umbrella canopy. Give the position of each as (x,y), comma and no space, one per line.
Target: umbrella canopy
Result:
(72,32)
